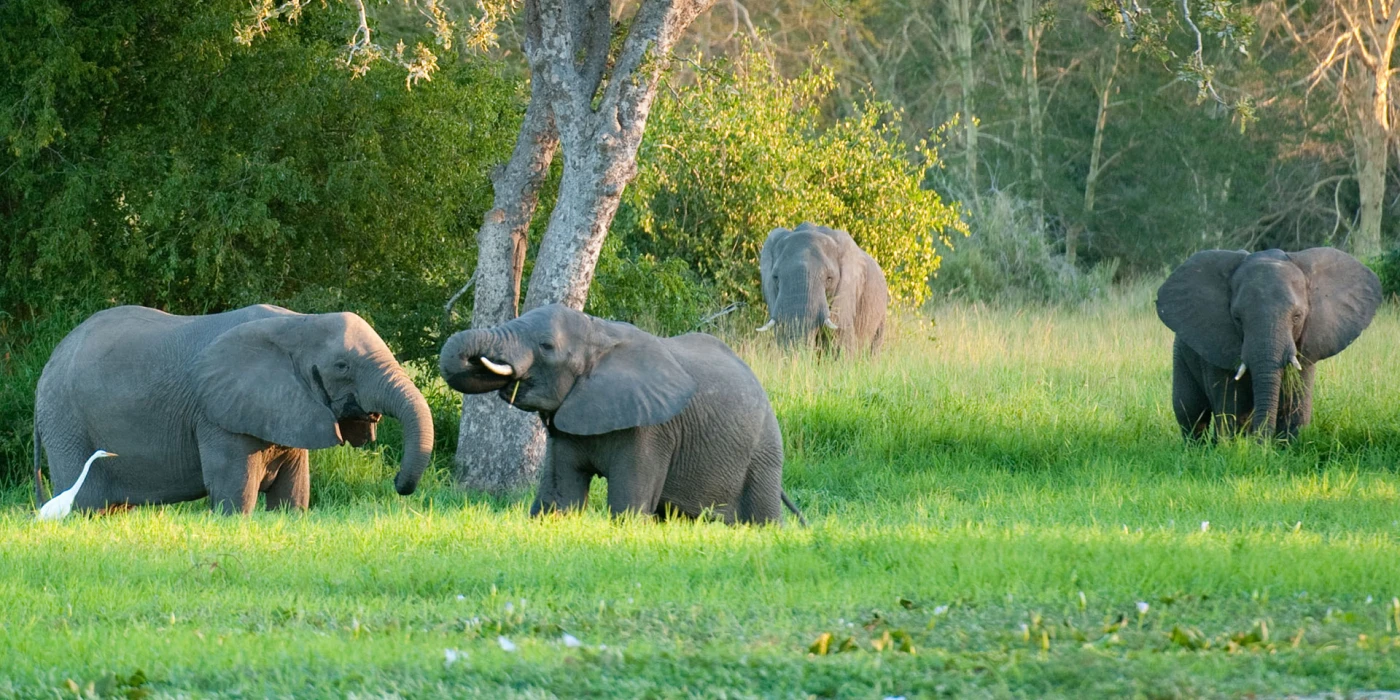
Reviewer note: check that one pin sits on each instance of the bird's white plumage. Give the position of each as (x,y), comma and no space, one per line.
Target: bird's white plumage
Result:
(61,505)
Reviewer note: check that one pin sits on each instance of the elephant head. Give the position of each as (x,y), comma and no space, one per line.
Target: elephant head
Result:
(313,381)
(584,375)
(810,279)
(1263,312)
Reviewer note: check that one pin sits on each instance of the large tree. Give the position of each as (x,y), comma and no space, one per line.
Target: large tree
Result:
(590,98)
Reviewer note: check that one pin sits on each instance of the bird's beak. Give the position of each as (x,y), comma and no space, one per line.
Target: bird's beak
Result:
(110,454)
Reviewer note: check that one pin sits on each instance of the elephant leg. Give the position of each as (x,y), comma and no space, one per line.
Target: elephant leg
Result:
(233,466)
(637,462)
(761,500)
(879,340)
(1189,400)
(1295,407)
(565,478)
(291,481)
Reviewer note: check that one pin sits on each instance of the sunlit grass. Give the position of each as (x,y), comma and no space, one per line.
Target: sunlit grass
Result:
(1003,493)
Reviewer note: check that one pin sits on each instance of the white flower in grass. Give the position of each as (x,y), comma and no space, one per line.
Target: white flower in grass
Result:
(1143,607)
(506,644)
(510,607)
(940,610)
(461,597)
(452,656)
(1205,525)
(571,641)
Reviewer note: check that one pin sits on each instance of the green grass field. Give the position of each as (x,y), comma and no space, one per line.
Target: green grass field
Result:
(1001,506)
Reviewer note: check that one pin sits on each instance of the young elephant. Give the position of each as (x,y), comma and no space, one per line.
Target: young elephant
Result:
(672,423)
(1237,314)
(816,279)
(225,405)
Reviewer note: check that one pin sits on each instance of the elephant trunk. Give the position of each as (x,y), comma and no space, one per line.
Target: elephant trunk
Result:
(801,310)
(480,360)
(395,395)
(1266,361)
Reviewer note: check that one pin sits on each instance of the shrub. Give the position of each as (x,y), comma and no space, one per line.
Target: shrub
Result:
(1387,267)
(1008,259)
(150,159)
(741,151)
(664,297)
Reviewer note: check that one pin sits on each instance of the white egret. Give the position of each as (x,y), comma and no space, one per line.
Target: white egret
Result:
(61,505)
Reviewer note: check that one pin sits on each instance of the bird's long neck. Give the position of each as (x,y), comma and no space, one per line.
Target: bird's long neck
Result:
(82,476)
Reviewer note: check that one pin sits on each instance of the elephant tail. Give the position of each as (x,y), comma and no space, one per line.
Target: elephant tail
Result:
(793,507)
(38,471)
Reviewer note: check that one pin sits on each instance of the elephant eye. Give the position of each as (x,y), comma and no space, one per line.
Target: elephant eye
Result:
(342,365)
(547,346)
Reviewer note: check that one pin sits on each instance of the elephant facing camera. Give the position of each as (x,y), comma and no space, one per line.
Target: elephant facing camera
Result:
(674,424)
(1250,330)
(822,290)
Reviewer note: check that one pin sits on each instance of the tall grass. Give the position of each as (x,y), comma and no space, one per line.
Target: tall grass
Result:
(1001,506)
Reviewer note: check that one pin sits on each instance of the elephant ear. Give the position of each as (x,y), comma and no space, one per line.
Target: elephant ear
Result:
(636,383)
(247,382)
(1342,298)
(1195,303)
(851,285)
(767,258)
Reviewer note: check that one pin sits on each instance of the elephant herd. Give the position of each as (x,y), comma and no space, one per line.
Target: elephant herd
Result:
(227,405)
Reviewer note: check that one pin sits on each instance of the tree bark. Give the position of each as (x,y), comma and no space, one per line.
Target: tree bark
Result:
(967,79)
(1372,152)
(500,448)
(1030,48)
(1091,180)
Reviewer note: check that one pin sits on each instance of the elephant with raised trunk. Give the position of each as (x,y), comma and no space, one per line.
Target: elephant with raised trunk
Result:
(674,424)
(820,287)
(224,405)
(1244,322)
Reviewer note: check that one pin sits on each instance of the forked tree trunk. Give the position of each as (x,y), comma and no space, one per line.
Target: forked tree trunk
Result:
(598,124)
(499,448)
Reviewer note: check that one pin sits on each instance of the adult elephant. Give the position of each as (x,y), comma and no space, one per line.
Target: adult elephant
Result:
(1242,319)
(224,405)
(674,424)
(816,278)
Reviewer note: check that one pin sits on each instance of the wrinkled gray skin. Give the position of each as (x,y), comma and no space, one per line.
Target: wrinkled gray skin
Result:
(815,277)
(674,424)
(224,405)
(1260,312)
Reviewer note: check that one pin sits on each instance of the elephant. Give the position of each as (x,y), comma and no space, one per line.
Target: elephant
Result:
(224,405)
(1236,314)
(676,425)
(815,277)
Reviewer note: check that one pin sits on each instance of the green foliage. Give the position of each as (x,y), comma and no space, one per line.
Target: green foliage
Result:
(742,151)
(1387,268)
(151,159)
(1009,259)
(662,296)
(1003,510)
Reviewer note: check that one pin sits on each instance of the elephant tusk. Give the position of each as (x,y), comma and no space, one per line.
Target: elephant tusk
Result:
(1240,373)
(1296,364)
(503,370)
(832,325)
(767,326)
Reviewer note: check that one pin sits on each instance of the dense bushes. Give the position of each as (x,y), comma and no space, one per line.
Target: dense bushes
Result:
(742,151)
(149,159)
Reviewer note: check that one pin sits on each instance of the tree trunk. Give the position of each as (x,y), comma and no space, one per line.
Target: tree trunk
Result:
(598,125)
(962,40)
(1372,149)
(500,448)
(1030,72)
(1091,180)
